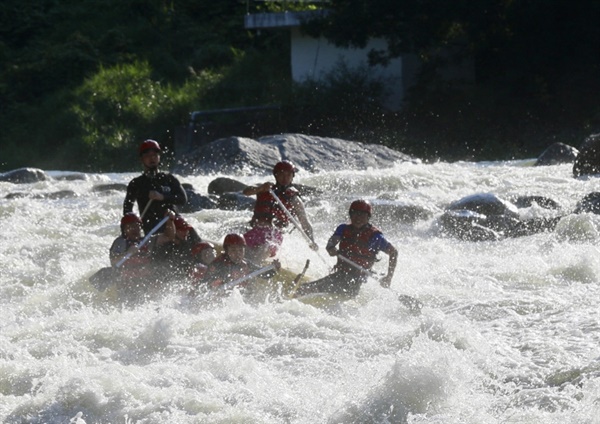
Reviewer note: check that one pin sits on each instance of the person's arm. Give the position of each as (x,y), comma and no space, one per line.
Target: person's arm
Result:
(260,188)
(119,249)
(177,196)
(332,243)
(168,234)
(130,198)
(386,281)
(300,213)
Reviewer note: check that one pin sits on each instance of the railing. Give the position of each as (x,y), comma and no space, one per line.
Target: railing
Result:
(286,4)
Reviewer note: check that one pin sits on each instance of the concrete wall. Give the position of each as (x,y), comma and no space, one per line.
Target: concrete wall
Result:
(312,58)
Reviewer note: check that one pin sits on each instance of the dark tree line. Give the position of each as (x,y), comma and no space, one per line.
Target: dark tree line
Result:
(91,77)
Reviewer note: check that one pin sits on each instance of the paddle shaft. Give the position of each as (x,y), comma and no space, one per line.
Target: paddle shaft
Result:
(359,267)
(298,280)
(146,208)
(291,217)
(412,303)
(143,242)
(240,280)
(298,226)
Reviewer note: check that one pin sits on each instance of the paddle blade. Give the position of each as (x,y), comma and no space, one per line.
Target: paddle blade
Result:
(103,278)
(414,305)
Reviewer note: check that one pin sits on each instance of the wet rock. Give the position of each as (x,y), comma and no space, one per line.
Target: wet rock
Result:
(529,200)
(588,160)
(196,201)
(488,217)
(102,188)
(467,225)
(62,194)
(486,204)
(222,185)
(556,154)
(24,176)
(397,211)
(589,204)
(235,202)
(244,156)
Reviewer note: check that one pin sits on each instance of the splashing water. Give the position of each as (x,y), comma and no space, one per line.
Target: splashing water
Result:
(509,330)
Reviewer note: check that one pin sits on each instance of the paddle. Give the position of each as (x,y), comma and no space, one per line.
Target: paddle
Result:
(298,226)
(104,277)
(298,280)
(146,208)
(143,242)
(293,220)
(232,284)
(410,302)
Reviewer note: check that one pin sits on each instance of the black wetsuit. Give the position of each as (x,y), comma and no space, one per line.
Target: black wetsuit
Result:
(138,189)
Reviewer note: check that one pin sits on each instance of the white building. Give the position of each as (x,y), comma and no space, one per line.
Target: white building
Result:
(311,58)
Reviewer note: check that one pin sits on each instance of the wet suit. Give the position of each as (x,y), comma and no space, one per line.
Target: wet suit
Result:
(138,190)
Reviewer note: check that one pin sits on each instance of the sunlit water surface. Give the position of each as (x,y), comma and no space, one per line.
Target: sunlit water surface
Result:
(509,331)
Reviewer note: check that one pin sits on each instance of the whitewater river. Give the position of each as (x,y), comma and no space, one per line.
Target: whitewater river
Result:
(509,331)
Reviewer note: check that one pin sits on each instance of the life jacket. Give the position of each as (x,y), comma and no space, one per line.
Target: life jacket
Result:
(267,210)
(198,272)
(136,266)
(196,278)
(223,270)
(354,245)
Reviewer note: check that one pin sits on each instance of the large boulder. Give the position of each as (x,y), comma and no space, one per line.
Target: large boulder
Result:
(222,185)
(588,160)
(556,154)
(589,204)
(24,176)
(239,155)
(486,216)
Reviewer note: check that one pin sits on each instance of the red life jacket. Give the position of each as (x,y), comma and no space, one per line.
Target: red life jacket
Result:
(138,265)
(267,210)
(355,245)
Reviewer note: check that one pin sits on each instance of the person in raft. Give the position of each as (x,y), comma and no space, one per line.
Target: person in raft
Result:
(138,263)
(231,265)
(172,253)
(204,254)
(269,218)
(359,243)
(155,192)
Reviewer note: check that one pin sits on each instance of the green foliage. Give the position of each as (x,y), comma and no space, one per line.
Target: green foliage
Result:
(119,106)
(343,103)
(83,81)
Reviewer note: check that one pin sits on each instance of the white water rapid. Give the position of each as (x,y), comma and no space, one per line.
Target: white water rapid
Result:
(509,331)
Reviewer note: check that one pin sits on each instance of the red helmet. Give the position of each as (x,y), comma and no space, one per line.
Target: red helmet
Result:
(284,165)
(361,206)
(181,224)
(198,248)
(234,240)
(129,218)
(149,145)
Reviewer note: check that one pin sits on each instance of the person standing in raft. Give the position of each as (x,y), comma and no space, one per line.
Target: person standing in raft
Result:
(265,237)
(359,243)
(155,192)
(231,265)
